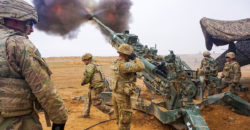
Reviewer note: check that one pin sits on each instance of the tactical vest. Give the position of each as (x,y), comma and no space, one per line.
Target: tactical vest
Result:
(16,98)
(121,83)
(98,76)
(209,67)
(228,71)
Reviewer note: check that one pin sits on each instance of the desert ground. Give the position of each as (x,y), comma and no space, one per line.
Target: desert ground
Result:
(67,74)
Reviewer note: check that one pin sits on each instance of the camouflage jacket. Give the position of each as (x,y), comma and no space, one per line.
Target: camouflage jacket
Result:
(123,75)
(94,75)
(25,77)
(231,72)
(208,67)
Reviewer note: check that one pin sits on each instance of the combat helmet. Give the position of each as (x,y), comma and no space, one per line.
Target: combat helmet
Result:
(18,10)
(86,56)
(125,49)
(230,55)
(206,54)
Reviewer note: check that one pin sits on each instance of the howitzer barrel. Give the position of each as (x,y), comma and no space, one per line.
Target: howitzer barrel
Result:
(113,35)
(118,41)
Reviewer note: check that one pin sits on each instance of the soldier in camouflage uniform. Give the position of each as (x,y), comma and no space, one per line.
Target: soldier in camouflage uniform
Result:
(231,73)
(94,75)
(178,76)
(122,84)
(25,84)
(208,71)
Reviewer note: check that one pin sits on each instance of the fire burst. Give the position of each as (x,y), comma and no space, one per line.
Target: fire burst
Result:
(111,16)
(58,9)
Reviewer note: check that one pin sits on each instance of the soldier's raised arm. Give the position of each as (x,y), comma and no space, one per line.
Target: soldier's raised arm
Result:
(132,66)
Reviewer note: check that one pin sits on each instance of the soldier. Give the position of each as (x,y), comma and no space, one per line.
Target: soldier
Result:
(94,75)
(178,76)
(231,73)
(25,84)
(122,83)
(208,71)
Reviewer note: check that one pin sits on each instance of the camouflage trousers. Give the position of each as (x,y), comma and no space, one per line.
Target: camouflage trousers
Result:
(27,122)
(94,96)
(123,110)
(210,85)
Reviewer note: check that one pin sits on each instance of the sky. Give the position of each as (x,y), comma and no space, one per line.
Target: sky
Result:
(168,24)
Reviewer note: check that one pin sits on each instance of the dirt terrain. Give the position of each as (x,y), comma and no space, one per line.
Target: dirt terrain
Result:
(67,74)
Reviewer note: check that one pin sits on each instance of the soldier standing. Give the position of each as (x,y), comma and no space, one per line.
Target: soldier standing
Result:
(94,75)
(122,83)
(231,73)
(209,71)
(25,84)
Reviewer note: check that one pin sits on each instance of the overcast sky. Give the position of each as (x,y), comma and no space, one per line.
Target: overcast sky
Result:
(171,24)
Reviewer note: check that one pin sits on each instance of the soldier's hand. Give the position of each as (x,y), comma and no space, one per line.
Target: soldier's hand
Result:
(82,84)
(58,126)
(132,56)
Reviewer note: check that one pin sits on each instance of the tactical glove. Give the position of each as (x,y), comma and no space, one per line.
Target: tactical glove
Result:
(58,126)
(132,56)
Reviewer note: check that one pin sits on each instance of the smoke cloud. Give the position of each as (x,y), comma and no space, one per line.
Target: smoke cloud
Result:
(115,14)
(64,17)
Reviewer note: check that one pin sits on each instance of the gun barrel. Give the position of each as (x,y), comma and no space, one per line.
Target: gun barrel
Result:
(102,25)
(117,41)
(113,35)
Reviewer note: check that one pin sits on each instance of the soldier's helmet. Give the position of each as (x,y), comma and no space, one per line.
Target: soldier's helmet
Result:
(86,56)
(206,54)
(17,9)
(125,49)
(230,55)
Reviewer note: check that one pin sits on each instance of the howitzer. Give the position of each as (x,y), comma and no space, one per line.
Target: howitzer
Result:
(178,101)
(178,96)
(153,76)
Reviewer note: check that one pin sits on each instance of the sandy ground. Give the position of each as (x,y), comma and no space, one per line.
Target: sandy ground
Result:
(67,74)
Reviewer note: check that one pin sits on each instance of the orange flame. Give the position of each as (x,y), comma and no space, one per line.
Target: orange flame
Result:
(58,9)
(111,16)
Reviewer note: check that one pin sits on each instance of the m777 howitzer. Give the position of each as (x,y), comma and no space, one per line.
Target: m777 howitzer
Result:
(177,102)
(178,107)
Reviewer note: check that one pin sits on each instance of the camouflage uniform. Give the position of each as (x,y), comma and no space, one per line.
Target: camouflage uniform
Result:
(93,74)
(122,83)
(25,79)
(25,84)
(177,75)
(231,75)
(209,71)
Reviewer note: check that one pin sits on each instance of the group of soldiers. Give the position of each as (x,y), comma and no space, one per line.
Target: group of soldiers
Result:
(122,83)
(25,84)
(26,87)
(230,76)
